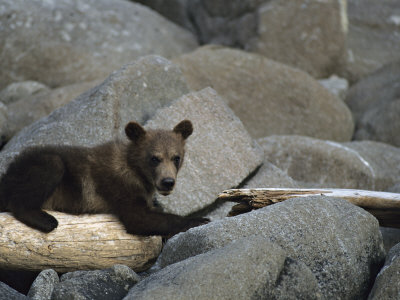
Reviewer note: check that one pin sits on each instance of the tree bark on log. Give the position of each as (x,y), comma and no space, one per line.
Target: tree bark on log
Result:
(384,206)
(78,243)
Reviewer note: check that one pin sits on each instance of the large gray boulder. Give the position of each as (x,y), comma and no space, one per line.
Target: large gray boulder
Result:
(373,38)
(25,110)
(375,104)
(174,10)
(220,153)
(339,242)
(387,283)
(249,268)
(18,90)
(135,92)
(108,284)
(9,293)
(336,85)
(309,35)
(67,41)
(318,163)
(270,176)
(383,159)
(43,286)
(269,97)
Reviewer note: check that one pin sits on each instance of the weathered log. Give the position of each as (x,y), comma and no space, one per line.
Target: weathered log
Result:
(78,243)
(384,206)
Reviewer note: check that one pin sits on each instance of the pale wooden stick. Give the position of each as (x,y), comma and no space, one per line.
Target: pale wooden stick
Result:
(383,205)
(78,243)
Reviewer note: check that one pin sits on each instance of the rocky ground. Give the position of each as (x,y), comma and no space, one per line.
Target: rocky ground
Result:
(281,94)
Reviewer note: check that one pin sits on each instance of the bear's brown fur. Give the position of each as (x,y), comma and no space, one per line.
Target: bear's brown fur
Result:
(116,177)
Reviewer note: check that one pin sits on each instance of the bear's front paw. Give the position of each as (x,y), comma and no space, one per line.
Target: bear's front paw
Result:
(193,222)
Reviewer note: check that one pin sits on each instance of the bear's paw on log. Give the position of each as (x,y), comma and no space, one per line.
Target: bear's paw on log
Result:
(79,243)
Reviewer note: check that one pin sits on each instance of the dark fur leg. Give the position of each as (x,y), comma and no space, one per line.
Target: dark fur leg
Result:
(37,219)
(143,221)
(27,184)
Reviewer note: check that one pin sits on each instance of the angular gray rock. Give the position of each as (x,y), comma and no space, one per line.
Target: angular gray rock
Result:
(387,283)
(336,85)
(375,104)
(317,163)
(26,110)
(43,286)
(306,34)
(19,90)
(174,10)
(77,41)
(373,39)
(220,153)
(9,293)
(339,242)
(248,268)
(383,159)
(309,35)
(391,237)
(230,23)
(135,92)
(269,97)
(296,281)
(108,284)
(270,176)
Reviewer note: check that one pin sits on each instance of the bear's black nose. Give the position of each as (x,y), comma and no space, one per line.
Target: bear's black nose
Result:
(168,183)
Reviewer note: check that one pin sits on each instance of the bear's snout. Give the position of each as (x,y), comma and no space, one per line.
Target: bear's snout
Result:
(168,183)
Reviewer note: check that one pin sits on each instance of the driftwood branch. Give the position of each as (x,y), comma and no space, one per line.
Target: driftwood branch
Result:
(384,206)
(78,243)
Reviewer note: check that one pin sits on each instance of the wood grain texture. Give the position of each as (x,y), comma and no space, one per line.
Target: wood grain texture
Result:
(383,205)
(78,243)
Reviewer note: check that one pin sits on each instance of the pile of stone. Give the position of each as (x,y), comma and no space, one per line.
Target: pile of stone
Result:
(268,111)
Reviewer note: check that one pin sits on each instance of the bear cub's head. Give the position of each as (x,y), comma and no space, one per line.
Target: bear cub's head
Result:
(158,153)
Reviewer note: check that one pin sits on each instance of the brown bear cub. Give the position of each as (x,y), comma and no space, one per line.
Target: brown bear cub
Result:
(117,177)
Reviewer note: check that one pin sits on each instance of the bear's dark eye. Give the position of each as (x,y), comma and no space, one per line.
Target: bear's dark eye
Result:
(155,160)
(176,160)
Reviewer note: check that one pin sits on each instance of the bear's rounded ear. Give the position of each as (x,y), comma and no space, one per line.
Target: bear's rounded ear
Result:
(134,131)
(185,128)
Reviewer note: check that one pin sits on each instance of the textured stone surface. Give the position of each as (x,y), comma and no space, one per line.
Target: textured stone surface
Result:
(375,104)
(270,176)
(373,38)
(26,110)
(336,85)
(220,153)
(19,90)
(134,92)
(309,35)
(3,121)
(66,41)
(391,237)
(249,268)
(296,281)
(383,159)
(230,23)
(269,97)
(108,284)
(387,283)
(9,293)
(339,242)
(44,284)
(317,163)
(174,10)
(306,34)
